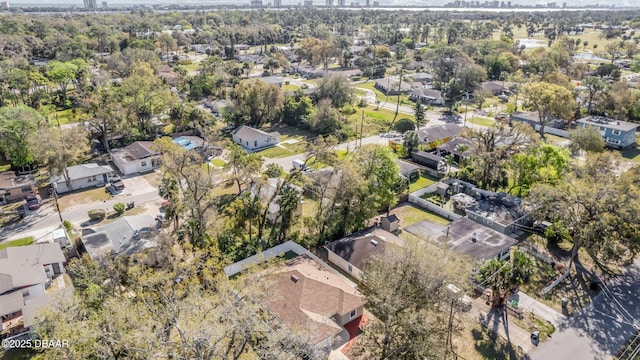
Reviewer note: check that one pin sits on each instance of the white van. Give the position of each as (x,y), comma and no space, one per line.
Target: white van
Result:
(298,164)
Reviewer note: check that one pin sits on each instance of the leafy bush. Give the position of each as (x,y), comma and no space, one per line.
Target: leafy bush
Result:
(404,125)
(97,214)
(119,207)
(67,225)
(184,62)
(273,170)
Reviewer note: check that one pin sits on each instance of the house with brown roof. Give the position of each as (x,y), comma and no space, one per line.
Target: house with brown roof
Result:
(25,273)
(137,157)
(352,253)
(14,187)
(306,295)
(254,139)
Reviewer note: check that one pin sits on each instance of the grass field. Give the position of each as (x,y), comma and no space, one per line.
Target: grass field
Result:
(421,182)
(18,242)
(4,165)
(218,162)
(83,197)
(410,214)
(375,121)
(482,121)
(67,116)
(380,96)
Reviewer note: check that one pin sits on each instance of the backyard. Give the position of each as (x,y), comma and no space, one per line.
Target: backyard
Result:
(422,182)
(411,214)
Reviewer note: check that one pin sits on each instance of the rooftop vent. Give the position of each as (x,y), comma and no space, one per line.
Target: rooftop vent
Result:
(374,243)
(294,278)
(474,237)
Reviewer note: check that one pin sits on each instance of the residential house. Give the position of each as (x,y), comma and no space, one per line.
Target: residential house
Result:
(352,253)
(273,80)
(423,78)
(83,176)
(128,235)
(460,148)
(15,187)
(467,237)
(137,157)
(25,273)
(217,107)
(408,170)
(433,136)
(497,87)
(427,96)
(306,295)
(254,139)
(499,211)
(554,125)
(430,160)
(266,192)
(167,75)
(392,86)
(616,134)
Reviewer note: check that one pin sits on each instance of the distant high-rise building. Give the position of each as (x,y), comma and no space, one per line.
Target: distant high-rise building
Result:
(90,4)
(256,3)
(308,3)
(341,3)
(367,3)
(4,5)
(329,3)
(376,3)
(104,4)
(277,3)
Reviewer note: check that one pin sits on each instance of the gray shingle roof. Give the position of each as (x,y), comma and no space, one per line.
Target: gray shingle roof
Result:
(608,123)
(84,171)
(22,265)
(123,236)
(248,133)
(438,132)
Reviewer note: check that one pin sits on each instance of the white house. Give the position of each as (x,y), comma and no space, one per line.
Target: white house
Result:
(25,273)
(266,191)
(254,139)
(83,176)
(136,158)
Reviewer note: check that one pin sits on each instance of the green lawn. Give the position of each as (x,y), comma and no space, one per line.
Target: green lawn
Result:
(4,165)
(380,96)
(67,116)
(18,242)
(481,121)
(410,214)
(218,162)
(289,87)
(422,182)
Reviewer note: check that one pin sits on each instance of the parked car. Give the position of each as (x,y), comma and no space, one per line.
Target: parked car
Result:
(32,201)
(117,184)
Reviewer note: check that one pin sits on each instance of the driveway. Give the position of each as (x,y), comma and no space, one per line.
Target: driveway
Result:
(602,328)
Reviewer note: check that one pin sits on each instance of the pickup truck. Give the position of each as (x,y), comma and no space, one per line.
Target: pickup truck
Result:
(32,201)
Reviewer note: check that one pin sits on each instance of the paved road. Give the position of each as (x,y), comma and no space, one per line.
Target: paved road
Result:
(42,222)
(602,328)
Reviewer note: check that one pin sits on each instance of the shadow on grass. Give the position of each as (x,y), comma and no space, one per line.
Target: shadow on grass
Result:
(491,346)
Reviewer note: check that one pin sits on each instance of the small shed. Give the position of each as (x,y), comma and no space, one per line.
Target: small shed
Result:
(390,223)
(442,188)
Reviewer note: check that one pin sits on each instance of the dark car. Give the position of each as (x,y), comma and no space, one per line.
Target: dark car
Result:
(117,184)
(32,202)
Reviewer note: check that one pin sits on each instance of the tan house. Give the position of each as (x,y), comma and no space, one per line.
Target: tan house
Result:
(15,187)
(313,301)
(25,273)
(306,295)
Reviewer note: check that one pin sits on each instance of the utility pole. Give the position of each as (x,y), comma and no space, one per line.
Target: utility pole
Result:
(54,187)
(361,126)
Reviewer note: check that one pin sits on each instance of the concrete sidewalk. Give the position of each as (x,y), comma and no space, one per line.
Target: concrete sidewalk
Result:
(538,309)
(495,320)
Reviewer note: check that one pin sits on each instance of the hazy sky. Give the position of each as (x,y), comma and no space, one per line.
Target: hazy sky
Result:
(426,3)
